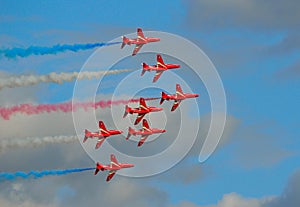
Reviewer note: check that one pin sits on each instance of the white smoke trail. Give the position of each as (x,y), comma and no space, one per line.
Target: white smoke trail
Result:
(28,80)
(9,144)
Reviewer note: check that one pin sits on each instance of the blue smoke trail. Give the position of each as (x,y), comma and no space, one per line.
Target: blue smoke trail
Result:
(36,174)
(35,50)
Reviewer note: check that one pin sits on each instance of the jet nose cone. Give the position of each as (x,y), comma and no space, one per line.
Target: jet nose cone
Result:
(163,130)
(130,165)
(197,95)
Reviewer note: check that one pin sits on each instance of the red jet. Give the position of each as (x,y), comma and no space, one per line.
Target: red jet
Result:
(113,167)
(145,132)
(102,134)
(139,41)
(178,97)
(160,67)
(142,110)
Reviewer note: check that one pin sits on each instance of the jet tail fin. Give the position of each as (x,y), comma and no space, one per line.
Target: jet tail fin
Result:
(145,66)
(125,41)
(86,132)
(126,111)
(130,132)
(98,167)
(163,97)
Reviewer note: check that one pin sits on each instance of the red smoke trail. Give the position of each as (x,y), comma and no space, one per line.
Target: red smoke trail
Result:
(29,109)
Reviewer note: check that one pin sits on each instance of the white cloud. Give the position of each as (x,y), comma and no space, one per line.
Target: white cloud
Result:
(243,14)
(235,200)
(256,148)
(231,200)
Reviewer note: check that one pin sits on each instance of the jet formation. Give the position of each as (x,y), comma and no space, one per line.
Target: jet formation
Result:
(141,110)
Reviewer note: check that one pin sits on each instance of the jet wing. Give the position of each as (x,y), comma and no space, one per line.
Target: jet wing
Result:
(113,161)
(103,129)
(140,34)
(179,91)
(110,175)
(175,105)
(143,104)
(99,142)
(160,62)
(157,75)
(137,49)
(139,118)
(142,140)
(146,125)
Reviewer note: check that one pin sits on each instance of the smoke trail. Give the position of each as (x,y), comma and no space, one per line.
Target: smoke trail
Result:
(39,174)
(35,50)
(28,80)
(29,109)
(9,144)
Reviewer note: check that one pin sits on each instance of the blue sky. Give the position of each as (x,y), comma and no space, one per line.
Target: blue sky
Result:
(252,47)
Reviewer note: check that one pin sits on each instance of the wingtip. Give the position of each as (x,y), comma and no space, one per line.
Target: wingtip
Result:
(136,121)
(97,146)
